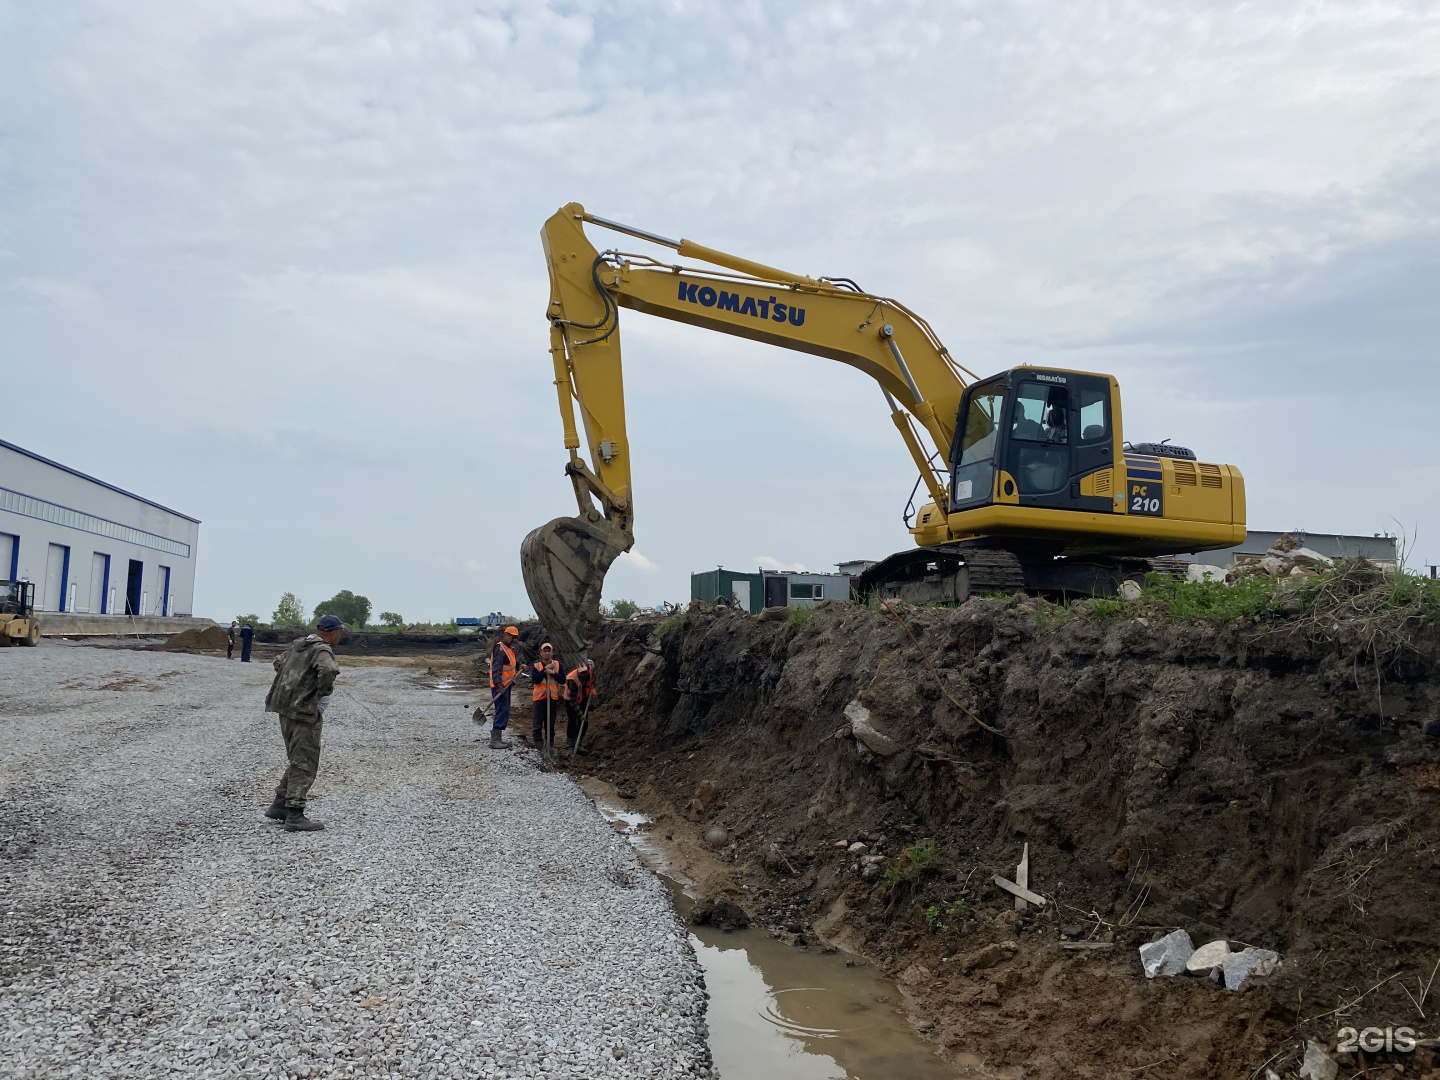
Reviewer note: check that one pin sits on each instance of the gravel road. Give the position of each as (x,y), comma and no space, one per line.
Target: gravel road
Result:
(464,914)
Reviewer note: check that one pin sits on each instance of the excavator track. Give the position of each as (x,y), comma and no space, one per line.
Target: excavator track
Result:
(947,574)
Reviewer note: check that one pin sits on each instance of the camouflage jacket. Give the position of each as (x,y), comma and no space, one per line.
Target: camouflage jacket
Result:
(304,674)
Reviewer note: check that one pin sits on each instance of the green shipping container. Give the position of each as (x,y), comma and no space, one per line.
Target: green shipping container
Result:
(748,589)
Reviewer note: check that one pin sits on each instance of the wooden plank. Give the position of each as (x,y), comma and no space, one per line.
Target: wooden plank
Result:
(1016,890)
(1086,946)
(1022,876)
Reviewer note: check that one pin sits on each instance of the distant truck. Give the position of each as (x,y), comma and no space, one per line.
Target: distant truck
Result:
(485,622)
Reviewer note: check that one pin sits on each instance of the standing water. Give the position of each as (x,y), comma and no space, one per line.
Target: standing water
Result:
(780,1012)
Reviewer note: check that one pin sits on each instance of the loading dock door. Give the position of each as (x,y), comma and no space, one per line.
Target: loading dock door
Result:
(132,587)
(9,555)
(55,583)
(99,582)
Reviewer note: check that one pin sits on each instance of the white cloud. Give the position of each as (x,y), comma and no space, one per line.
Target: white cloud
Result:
(769,562)
(637,561)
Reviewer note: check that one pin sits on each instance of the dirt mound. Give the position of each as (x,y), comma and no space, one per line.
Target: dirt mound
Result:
(209,639)
(1270,782)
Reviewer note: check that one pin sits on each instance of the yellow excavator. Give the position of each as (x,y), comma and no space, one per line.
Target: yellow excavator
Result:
(1028,482)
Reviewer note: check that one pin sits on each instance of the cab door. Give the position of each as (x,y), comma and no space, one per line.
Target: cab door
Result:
(1057,431)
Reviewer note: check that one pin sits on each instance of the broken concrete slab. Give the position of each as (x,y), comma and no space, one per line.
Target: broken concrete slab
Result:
(1238,967)
(1208,957)
(1167,956)
(1318,1065)
(866,733)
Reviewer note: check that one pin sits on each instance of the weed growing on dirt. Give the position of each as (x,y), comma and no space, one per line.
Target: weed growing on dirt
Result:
(799,616)
(922,853)
(1050,616)
(673,623)
(937,914)
(1107,607)
(1187,601)
(913,858)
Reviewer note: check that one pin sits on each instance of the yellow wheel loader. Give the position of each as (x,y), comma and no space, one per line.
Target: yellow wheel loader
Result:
(18,625)
(1028,480)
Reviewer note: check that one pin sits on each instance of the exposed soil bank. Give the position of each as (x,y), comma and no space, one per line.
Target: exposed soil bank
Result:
(1268,783)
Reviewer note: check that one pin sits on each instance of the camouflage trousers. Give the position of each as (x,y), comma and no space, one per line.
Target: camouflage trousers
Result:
(302,747)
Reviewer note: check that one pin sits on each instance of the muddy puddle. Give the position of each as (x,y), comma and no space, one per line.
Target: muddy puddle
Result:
(792,1014)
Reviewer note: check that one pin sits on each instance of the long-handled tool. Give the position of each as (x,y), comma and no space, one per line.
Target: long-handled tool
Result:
(549,719)
(584,716)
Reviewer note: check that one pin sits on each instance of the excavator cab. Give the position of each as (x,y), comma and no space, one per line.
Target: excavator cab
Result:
(1036,438)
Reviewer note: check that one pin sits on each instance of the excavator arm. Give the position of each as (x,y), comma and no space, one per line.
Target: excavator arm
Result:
(564,561)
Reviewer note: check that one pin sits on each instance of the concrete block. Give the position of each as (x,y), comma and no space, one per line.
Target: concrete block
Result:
(1168,955)
(1239,967)
(1318,1065)
(1207,957)
(866,733)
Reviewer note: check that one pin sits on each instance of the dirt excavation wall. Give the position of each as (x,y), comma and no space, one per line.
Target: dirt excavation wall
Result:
(1271,782)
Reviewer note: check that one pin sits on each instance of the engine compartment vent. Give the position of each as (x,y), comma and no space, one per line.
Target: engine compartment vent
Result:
(1161,449)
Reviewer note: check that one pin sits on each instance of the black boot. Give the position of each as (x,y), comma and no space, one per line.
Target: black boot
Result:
(497,741)
(296,821)
(277,809)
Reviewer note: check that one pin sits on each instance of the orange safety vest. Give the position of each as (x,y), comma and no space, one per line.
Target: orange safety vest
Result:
(502,679)
(545,680)
(575,692)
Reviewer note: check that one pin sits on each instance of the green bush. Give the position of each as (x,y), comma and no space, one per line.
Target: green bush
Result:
(799,616)
(621,609)
(667,626)
(289,612)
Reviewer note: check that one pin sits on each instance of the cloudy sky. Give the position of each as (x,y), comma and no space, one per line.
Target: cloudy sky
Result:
(276,263)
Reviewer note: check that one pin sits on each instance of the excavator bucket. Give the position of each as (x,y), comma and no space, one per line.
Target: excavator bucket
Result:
(564,564)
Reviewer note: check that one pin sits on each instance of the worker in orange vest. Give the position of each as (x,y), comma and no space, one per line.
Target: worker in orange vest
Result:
(502,678)
(579,700)
(547,683)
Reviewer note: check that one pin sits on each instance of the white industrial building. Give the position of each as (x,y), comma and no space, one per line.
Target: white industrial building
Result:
(90,547)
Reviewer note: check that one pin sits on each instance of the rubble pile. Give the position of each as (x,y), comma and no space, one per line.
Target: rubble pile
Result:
(1285,559)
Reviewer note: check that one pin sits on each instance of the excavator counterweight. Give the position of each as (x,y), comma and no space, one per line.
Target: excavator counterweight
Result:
(1030,483)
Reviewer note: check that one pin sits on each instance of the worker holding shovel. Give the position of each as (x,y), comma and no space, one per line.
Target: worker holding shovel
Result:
(546,683)
(579,696)
(502,678)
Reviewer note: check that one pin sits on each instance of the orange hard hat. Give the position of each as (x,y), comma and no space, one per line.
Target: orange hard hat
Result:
(513,630)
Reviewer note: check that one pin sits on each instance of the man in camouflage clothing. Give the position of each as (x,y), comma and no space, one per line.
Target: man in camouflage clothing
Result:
(304,677)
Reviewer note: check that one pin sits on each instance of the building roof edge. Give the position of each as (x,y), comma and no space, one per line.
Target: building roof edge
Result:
(95,480)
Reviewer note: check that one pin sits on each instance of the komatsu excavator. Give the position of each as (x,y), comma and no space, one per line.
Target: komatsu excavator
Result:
(1029,483)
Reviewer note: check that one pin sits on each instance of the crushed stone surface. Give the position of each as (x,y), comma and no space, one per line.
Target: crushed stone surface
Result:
(463,914)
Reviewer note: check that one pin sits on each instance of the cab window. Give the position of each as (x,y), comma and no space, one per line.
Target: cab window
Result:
(1042,413)
(1094,415)
(981,423)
